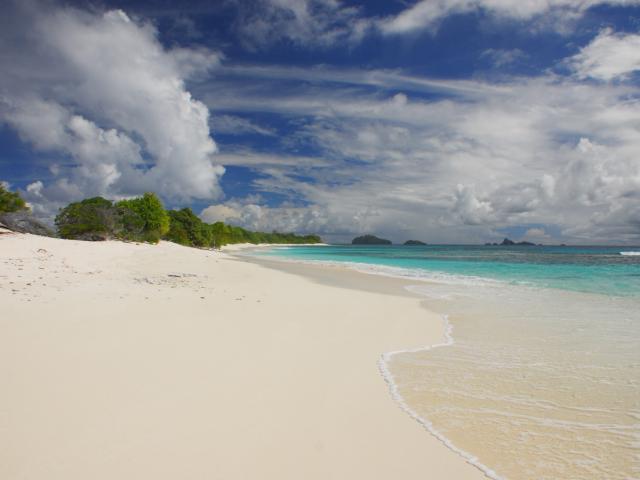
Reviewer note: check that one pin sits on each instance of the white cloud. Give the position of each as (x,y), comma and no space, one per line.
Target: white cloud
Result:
(234,125)
(266,219)
(470,209)
(331,221)
(428,14)
(102,90)
(246,158)
(457,166)
(501,57)
(425,14)
(537,235)
(355,76)
(330,23)
(219,213)
(608,56)
(319,23)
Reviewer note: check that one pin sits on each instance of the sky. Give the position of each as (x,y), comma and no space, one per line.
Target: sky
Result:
(446,121)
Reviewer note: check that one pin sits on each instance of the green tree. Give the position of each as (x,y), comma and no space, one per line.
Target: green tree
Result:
(220,234)
(143,218)
(91,219)
(10,201)
(186,228)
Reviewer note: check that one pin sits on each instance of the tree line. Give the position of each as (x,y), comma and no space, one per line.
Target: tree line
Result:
(145,219)
(10,201)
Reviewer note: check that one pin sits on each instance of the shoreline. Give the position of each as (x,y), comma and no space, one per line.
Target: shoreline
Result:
(470,430)
(195,358)
(350,277)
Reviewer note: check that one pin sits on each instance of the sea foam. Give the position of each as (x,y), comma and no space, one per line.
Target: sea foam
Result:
(385,371)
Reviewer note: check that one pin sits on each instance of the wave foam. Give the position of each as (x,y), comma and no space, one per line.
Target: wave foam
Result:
(630,254)
(404,273)
(383,366)
(385,358)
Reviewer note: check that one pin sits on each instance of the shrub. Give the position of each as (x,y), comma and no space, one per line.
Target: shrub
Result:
(186,228)
(220,234)
(143,218)
(10,201)
(91,219)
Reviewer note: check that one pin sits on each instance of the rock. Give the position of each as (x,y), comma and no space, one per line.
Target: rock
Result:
(507,242)
(24,222)
(370,240)
(414,242)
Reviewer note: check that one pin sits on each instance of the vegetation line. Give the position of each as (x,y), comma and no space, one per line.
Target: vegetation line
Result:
(145,219)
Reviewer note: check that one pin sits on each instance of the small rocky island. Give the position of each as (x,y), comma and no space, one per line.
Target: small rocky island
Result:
(414,242)
(508,243)
(370,240)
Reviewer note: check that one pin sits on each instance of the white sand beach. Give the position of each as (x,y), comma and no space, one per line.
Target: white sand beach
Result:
(137,361)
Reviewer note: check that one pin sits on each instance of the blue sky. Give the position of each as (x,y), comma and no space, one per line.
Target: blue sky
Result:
(446,121)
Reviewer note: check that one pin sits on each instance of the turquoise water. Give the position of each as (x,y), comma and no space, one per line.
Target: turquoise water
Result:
(604,270)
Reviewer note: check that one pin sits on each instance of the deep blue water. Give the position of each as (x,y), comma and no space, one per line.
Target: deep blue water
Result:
(587,269)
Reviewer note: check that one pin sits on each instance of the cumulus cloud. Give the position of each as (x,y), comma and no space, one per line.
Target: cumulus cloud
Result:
(608,56)
(100,89)
(537,234)
(258,217)
(220,213)
(329,220)
(457,165)
(384,151)
(469,208)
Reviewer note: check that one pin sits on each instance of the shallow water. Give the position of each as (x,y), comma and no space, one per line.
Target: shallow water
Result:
(608,270)
(543,378)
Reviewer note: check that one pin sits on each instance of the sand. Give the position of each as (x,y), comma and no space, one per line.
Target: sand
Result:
(163,362)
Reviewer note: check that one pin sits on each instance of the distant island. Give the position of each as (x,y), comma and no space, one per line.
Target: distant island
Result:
(414,242)
(508,243)
(370,240)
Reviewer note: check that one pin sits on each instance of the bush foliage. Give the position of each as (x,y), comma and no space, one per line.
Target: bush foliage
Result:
(10,201)
(145,219)
(142,219)
(186,228)
(91,219)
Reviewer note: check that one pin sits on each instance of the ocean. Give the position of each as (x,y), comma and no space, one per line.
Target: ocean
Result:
(538,376)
